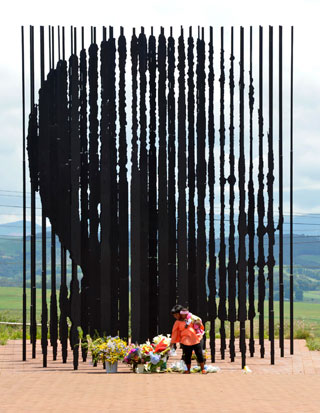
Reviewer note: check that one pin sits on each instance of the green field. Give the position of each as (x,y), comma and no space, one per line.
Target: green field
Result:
(11,303)
(306,314)
(312,296)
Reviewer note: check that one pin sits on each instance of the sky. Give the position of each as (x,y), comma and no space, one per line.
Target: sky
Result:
(303,15)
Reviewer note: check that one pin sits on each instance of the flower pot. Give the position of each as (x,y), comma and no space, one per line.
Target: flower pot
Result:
(111,367)
(139,368)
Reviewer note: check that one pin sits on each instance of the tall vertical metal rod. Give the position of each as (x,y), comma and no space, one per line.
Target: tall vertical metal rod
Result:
(171,113)
(52,49)
(63,300)
(192,253)
(270,179)
(222,252)
(212,306)
(33,323)
(281,296)
(251,208)
(291,198)
(50,55)
(44,313)
(164,299)
(53,298)
(63,44)
(143,166)
(123,193)
(134,204)
(24,269)
(59,47)
(261,209)
(152,186)
(242,227)
(232,265)
(201,173)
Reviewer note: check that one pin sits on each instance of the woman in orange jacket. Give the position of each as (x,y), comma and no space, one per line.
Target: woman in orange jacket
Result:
(185,334)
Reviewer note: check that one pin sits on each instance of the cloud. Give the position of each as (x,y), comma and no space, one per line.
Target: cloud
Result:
(303,15)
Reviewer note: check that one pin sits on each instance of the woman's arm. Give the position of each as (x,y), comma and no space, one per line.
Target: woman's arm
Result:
(175,335)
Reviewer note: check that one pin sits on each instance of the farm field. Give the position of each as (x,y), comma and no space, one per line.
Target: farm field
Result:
(11,303)
(308,312)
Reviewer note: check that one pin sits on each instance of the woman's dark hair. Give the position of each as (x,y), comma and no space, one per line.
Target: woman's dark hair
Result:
(177,308)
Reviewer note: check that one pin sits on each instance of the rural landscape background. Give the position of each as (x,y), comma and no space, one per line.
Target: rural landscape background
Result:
(306,276)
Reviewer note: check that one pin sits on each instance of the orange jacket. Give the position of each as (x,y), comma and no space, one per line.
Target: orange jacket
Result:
(183,335)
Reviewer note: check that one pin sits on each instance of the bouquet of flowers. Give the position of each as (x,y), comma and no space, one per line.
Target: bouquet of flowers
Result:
(112,350)
(107,349)
(133,356)
(146,350)
(158,357)
(93,347)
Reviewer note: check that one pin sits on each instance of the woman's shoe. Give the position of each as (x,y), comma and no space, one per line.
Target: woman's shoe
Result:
(204,371)
(186,372)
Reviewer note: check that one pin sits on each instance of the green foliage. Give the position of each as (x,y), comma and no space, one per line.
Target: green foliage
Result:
(12,332)
(313,343)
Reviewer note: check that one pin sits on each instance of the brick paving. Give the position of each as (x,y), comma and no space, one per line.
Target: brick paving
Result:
(292,384)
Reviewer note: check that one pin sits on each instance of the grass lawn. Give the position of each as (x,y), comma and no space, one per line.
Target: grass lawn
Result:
(11,303)
(312,296)
(306,314)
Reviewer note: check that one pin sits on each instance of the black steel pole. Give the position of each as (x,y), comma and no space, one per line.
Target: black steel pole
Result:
(152,176)
(171,113)
(242,226)
(261,209)
(164,299)
(134,190)
(222,252)
(251,208)
(201,173)
(24,269)
(33,323)
(291,199)
(192,253)
(123,194)
(212,305)
(281,296)
(53,300)
(44,313)
(270,179)
(232,264)
(143,166)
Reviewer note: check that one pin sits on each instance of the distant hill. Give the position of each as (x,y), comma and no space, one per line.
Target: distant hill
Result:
(306,257)
(15,229)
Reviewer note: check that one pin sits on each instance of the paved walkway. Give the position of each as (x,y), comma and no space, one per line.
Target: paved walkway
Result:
(292,384)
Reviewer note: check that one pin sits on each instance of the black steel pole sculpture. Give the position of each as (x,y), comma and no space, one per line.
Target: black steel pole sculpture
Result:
(251,207)
(182,257)
(192,253)
(222,253)
(291,197)
(152,176)
(212,306)
(232,264)
(270,179)
(280,226)
(242,225)
(130,209)
(261,208)
(24,269)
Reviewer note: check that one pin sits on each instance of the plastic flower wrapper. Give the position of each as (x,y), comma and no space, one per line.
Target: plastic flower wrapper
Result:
(155,358)
(179,366)
(165,339)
